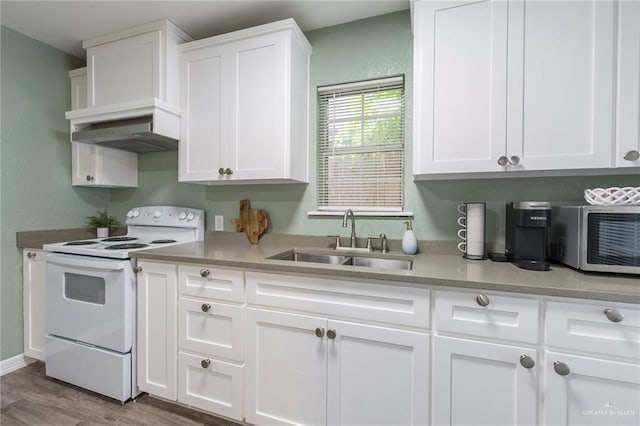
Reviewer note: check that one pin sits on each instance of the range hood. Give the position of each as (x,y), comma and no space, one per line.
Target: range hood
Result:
(135,135)
(148,125)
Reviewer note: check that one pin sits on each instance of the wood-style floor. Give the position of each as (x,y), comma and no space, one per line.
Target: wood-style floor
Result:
(30,398)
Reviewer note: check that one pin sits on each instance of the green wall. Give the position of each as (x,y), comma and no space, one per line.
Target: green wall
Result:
(35,164)
(369,48)
(36,178)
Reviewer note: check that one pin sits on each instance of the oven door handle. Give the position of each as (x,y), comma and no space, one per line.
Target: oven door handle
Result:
(86,262)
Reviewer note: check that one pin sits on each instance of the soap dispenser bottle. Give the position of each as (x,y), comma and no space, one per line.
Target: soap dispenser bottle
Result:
(409,241)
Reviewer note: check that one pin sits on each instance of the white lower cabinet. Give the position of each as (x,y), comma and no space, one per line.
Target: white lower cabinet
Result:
(33,293)
(592,363)
(286,368)
(482,383)
(347,352)
(590,391)
(157,328)
(211,339)
(483,371)
(305,369)
(210,385)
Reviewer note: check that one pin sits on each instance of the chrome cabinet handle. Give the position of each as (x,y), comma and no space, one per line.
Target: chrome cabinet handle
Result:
(503,160)
(331,334)
(526,361)
(614,315)
(482,300)
(206,307)
(89,178)
(221,171)
(228,171)
(561,368)
(632,155)
(320,332)
(137,269)
(204,273)
(31,255)
(205,363)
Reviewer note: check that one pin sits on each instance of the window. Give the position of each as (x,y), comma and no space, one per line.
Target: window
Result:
(361,146)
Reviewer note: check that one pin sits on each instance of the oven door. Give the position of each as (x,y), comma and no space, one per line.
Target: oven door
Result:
(90,300)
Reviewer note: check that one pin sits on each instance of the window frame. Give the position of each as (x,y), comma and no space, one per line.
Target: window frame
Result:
(350,89)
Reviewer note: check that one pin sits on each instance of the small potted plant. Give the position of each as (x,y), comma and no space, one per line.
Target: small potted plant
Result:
(102,222)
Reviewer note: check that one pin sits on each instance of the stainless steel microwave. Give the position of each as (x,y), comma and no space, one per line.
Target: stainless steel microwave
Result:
(596,238)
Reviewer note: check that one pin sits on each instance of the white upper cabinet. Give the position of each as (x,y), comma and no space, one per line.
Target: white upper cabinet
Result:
(459,85)
(244,104)
(628,107)
(134,64)
(93,165)
(520,86)
(561,84)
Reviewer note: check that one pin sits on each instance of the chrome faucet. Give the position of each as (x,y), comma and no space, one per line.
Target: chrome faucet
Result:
(353,225)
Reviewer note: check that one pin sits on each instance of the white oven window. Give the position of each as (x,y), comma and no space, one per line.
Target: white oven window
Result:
(84,288)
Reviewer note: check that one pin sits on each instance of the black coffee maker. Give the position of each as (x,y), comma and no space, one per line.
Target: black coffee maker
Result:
(526,234)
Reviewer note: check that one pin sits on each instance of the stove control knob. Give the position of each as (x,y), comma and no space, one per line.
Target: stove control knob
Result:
(135,213)
(190,216)
(182,216)
(157,214)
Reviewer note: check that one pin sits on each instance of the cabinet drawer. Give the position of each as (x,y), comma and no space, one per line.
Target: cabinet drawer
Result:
(211,283)
(502,317)
(216,387)
(588,327)
(394,304)
(211,328)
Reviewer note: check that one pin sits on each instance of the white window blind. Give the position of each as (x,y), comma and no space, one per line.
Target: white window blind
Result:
(361,145)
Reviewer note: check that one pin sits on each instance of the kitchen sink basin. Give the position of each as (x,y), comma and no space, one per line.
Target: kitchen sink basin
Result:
(379,261)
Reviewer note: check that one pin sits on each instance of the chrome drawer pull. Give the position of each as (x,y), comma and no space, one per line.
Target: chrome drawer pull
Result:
(482,300)
(205,363)
(561,368)
(331,334)
(204,273)
(526,361)
(614,315)
(320,332)
(206,307)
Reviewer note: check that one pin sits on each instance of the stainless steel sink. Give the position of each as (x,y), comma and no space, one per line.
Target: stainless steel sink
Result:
(379,261)
(298,256)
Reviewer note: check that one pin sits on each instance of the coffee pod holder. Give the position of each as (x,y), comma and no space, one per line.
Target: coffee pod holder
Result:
(463,233)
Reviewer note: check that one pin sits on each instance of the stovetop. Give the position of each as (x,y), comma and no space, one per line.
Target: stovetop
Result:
(147,228)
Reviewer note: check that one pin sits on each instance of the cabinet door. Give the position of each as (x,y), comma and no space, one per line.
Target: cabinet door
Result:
(78,79)
(33,288)
(101,166)
(211,328)
(460,71)
(286,369)
(561,84)
(594,392)
(258,139)
(377,375)
(206,113)
(478,383)
(211,385)
(125,70)
(628,107)
(157,329)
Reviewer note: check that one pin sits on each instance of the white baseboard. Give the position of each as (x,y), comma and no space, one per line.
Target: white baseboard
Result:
(14,363)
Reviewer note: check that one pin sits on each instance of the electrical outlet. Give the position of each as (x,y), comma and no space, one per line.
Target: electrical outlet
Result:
(219,223)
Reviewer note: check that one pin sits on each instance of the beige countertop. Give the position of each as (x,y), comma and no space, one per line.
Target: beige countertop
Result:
(429,268)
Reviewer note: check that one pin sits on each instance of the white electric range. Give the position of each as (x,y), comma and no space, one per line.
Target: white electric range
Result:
(90,299)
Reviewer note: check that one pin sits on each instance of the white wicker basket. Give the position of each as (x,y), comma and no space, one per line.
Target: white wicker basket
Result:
(613,196)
